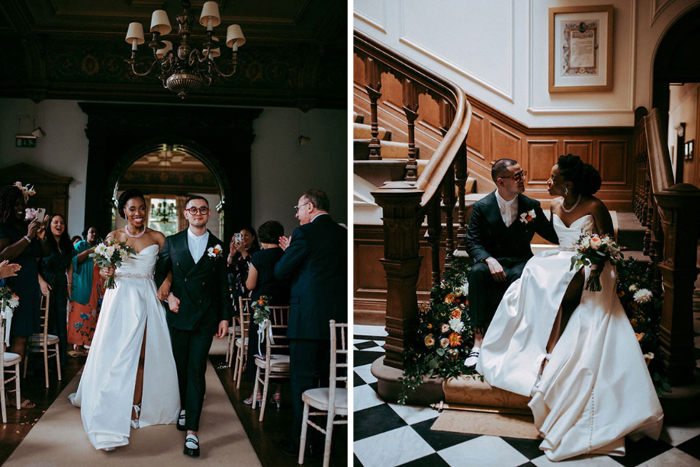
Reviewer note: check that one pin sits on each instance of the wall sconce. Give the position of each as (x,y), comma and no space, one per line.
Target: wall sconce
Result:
(39,133)
(689,150)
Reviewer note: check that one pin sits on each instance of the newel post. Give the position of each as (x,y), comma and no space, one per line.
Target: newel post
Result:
(679,212)
(400,202)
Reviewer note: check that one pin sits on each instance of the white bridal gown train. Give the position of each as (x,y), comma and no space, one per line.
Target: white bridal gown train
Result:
(596,388)
(106,391)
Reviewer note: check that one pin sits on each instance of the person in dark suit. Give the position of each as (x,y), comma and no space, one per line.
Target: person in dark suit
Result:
(315,260)
(501,227)
(199,308)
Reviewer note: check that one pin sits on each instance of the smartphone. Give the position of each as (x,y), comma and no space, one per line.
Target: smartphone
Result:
(40,213)
(238,237)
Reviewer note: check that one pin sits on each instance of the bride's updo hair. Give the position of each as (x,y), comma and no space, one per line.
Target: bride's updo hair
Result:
(124,198)
(584,176)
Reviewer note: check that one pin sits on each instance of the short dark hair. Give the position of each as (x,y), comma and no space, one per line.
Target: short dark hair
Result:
(124,198)
(319,199)
(500,168)
(76,238)
(87,229)
(270,232)
(192,198)
(585,177)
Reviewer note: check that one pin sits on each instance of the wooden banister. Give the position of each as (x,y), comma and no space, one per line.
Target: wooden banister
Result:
(405,204)
(671,213)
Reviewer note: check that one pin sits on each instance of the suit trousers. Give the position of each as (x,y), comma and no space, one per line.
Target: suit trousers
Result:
(306,358)
(191,350)
(485,293)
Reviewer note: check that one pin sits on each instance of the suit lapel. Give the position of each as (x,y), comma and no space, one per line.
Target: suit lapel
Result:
(187,263)
(493,214)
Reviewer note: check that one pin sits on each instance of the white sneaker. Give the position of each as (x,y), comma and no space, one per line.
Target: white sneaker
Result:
(473,357)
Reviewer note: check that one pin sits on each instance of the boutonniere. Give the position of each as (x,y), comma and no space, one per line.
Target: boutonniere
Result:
(215,251)
(528,216)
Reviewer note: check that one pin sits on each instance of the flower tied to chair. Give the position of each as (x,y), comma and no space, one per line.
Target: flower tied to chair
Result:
(27,190)
(8,302)
(261,317)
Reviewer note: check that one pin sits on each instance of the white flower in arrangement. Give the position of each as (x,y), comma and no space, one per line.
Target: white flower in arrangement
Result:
(528,216)
(444,328)
(100,249)
(464,289)
(109,251)
(633,288)
(442,284)
(456,325)
(643,296)
(13,302)
(586,242)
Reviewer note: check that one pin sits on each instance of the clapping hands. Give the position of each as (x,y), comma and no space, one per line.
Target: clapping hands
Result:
(284,242)
(8,270)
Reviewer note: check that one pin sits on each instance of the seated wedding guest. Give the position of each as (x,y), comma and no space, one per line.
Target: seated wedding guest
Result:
(86,294)
(262,282)
(498,240)
(19,244)
(572,350)
(315,260)
(241,251)
(56,275)
(76,239)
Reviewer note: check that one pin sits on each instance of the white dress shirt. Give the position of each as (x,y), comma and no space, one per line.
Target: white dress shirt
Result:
(509,209)
(196,244)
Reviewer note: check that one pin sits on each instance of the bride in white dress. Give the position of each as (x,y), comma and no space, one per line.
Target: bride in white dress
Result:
(131,359)
(573,351)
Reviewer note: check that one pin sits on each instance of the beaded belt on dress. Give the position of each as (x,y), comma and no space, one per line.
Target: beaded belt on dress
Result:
(131,275)
(567,248)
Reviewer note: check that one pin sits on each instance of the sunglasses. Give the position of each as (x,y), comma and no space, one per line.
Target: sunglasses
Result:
(518,177)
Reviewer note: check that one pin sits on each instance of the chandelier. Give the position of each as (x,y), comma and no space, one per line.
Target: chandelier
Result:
(164,211)
(185,69)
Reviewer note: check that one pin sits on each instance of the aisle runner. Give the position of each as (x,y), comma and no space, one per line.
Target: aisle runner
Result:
(58,439)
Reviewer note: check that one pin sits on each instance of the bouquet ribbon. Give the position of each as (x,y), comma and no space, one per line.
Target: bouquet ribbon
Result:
(265,325)
(7,316)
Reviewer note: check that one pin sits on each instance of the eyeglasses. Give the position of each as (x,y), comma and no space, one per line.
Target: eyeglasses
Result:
(194,211)
(296,208)
(518,177)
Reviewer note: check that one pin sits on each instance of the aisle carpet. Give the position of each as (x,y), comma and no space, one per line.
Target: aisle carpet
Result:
(58,439)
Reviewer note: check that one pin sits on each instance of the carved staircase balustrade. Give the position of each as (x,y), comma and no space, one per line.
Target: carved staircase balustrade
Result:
(432,193)
(671,213)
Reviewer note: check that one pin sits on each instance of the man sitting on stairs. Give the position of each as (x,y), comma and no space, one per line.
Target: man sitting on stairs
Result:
(501,227)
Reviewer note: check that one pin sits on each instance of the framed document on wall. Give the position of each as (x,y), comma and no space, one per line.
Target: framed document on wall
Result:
(580,48)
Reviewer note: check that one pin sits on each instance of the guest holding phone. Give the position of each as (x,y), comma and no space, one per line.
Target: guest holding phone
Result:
(243,245)
(19,243)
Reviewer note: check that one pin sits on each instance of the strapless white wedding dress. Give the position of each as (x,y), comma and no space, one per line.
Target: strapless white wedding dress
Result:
(596,388)
(106,391)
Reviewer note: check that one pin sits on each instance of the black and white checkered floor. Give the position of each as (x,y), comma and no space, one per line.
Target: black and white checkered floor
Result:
(387,435)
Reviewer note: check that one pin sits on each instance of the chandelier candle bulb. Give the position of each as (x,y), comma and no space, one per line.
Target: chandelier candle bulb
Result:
(210,15)
(215,48)
(134,35)
(160,22)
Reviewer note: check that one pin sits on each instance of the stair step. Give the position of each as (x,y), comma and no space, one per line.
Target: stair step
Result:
(389,150)
(630,232)
(363,131)
(358,118)
(389,170)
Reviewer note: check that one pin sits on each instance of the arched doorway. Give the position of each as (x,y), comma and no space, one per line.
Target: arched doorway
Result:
(676,92)
(167,175)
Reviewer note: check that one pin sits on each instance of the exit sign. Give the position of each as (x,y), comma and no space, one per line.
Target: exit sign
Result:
(24,142)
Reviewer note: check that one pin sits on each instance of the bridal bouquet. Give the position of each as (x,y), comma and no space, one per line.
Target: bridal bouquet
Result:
(8,302)
(595,250)
(261,317)
(111,253)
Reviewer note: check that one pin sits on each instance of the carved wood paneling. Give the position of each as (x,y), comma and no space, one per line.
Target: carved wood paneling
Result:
(541,156)
(613,162)
(475,139)
(504,143)
(581,149)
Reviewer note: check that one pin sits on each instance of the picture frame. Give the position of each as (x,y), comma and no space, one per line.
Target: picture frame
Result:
(581,49)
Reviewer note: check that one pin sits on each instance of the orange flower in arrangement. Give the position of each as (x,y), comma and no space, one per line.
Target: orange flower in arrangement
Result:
(452,354)
(449,298)
(261,302)
(455,339)
(430,325)
(640,336)
(621,294)
(633,322)
(456,313)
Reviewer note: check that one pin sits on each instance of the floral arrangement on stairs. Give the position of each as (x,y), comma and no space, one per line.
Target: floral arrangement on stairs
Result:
(643,308)
(443,335)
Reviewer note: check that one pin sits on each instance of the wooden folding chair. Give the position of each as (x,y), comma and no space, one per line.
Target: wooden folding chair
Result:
(330,401)
(273,364)
(8,360)
(39,343)
(234,332)
(242,340)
